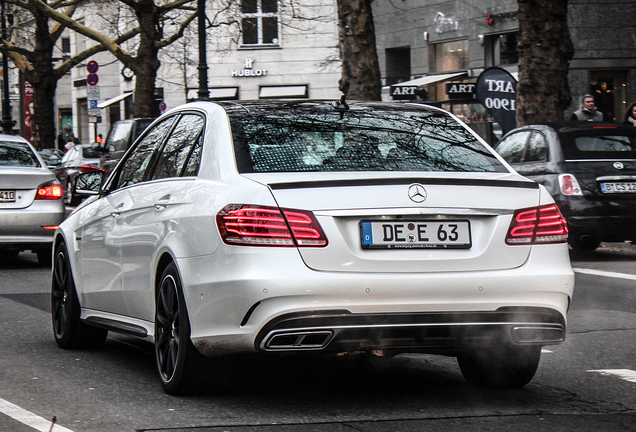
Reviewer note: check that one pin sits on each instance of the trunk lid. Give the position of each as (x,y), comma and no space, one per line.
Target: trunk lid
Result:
(481,203)
(24,182)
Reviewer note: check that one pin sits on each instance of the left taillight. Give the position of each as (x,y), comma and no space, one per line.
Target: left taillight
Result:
(49,191)
(249,225)
(537,225)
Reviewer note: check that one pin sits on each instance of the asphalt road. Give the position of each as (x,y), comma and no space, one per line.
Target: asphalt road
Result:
(587,383)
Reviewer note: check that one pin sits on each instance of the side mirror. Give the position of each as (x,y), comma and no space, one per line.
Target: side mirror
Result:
(89,183)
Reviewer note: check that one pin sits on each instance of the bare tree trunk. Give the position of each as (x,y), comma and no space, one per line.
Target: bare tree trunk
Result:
(360,69)
(44,82)
(545,51)
(147,63)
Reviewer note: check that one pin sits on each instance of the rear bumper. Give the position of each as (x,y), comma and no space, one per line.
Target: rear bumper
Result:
(448,333)
(22,229)
(284,306)
(606,220)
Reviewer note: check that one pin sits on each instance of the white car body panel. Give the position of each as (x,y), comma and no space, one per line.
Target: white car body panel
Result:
(117,242)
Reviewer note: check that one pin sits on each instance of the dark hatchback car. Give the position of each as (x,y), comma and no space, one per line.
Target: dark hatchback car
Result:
(590,170)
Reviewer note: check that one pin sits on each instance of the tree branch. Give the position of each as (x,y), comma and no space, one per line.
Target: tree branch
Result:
(178,33)
(109,44)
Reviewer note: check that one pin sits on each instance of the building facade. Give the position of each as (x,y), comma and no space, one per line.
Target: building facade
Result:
(269,49)
(441,45)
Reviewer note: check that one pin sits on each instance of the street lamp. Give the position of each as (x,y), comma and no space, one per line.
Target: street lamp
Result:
(7,122)
(204,93)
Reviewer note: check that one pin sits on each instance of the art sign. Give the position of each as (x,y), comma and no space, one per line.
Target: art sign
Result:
(497,91)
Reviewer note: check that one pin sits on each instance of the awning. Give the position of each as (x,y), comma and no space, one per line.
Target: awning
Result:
(283,92)
(429,79)
(215,93)
(111,101)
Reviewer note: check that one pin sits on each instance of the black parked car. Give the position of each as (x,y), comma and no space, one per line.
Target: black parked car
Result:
(120,137)
(590,170)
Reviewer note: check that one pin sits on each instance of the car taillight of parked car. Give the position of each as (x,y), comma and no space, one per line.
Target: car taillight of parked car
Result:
(537,225)
(250,225)
(569,185)
(49,192)
(89,168)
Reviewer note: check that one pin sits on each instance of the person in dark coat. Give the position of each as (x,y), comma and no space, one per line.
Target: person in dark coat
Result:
(588,111)
(630,115)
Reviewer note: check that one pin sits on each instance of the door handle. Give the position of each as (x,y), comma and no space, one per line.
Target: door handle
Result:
(117,211)
(162,203)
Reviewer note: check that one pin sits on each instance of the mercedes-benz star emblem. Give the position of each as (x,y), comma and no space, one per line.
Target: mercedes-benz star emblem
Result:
(417,193)
(619,165)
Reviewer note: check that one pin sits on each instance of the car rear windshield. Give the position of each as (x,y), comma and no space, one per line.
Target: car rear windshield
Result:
(312,137)
(17,155)
(90,153)
(599,146)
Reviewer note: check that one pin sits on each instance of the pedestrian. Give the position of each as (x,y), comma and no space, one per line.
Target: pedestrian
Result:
(100,139)
(588,111)
(630,114)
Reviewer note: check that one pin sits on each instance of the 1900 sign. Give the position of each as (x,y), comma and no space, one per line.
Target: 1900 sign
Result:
(497,91)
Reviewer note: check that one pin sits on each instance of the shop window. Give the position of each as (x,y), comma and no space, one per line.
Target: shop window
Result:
(451,56)
(398,65)
(259,22)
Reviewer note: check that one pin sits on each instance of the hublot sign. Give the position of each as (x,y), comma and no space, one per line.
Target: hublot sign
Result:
(248,70)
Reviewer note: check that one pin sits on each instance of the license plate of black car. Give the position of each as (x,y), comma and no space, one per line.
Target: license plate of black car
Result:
(426,234)
(7,196)
(618,187)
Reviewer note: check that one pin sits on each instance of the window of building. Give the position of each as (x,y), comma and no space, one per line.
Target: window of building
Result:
(501,49)
(259,22)
(451,56)
(398,65)
(66,45)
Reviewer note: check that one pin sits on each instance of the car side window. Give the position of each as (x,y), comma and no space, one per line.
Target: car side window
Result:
(511,148)
(537,150)
(135,165)
(179,146)
(192,166)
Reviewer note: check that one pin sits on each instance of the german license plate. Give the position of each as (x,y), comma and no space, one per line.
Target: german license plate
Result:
(7,196)
(622,187)
(428,234)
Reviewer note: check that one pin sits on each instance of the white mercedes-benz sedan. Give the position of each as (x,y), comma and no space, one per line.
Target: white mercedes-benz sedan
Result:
(312,227)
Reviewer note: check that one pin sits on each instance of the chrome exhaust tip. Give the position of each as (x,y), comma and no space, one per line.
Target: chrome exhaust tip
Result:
(297,340)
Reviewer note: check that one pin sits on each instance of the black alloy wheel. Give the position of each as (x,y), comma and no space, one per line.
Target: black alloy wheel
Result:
(69,331)
(182,369)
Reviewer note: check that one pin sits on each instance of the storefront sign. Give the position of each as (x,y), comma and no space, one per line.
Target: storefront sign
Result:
(497,91)
(403,92)
(460,90)
(248,70)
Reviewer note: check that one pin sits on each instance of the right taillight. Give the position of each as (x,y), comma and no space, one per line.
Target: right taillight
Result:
(249,225)
(569,185)
(537,225)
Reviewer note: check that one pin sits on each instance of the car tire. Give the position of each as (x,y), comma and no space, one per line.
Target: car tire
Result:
(69,331)
(506,366)
(44,257)
(182,368)
(583,243)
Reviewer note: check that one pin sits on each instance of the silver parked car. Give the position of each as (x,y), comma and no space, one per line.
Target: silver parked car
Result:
(314,228)
(31,206)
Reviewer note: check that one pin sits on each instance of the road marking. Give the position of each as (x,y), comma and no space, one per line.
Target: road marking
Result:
(28,418)
(605,273)
(626,374)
